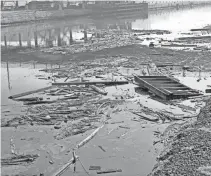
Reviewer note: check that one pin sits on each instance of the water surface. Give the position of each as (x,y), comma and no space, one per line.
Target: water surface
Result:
(55,33)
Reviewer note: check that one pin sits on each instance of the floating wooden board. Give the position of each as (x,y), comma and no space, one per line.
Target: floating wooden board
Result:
(165,87)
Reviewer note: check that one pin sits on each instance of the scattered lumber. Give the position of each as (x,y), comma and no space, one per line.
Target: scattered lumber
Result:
(90,83)
(117,122)
(64,168)
(94,168)
(66,111)
(208,91)
(101,148)
(29,92)
(145,117)
(201,29)
(68,97)
(201,96)
(98,90)
(166,64)
(124,127)
(198,37)
(178,45)
(39,102)
(18,159)
(82,143)
(109,171)
(86,140)
(185,107)
(29,99)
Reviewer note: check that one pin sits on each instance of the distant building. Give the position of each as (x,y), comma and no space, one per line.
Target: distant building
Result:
(40,5)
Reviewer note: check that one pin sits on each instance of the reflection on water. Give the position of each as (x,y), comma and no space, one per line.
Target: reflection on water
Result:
(177,20)
(58,33)
(19,78)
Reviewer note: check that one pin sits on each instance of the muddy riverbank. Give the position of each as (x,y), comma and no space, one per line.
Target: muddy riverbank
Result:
(187,147)
(46,131)
(142,53)
(81,94)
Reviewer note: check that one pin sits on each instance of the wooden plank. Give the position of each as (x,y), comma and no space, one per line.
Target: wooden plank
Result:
(152,77)
(167,85)
(168,65)
(192,38)
(176,88)
(201,29)
(170,92)
(98,90)
(186,93)
(109,171)
(161,93)
(178,45)
(157,79)
(29,92)
(91,83)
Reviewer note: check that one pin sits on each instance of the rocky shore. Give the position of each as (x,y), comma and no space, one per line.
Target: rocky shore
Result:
(187,148)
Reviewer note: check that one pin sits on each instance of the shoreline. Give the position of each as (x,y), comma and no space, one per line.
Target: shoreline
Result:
(187,148)
(124,130)
(133,50)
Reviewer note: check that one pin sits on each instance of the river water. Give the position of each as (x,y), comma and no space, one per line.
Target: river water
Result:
(174,20)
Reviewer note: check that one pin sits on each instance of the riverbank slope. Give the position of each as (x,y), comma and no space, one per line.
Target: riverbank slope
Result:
(188,148)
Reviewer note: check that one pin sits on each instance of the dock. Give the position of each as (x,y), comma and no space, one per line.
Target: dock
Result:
(165,87)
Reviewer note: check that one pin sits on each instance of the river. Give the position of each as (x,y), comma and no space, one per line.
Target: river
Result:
(49,33)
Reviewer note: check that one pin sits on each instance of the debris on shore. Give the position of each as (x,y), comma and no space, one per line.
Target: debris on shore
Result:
(86,95)
(18,159)
(187,147)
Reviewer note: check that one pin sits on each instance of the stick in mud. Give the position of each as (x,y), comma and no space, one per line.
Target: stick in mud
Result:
(101,148)
(71,161)
(98,90)
(109,171)
(91,83)
(82,143)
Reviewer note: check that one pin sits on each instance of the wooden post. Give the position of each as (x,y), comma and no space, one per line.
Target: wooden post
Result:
(35,39)
(59,39)
(71,37)
(85,36)
(5,41)
(8,75)
(50,41)
(29,41)
(20,42)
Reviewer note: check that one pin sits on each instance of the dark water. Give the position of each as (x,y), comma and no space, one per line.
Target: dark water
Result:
(56,33)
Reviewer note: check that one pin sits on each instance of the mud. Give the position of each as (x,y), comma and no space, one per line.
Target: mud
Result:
(127,141)
(126,137)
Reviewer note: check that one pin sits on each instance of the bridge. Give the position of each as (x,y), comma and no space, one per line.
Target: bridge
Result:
(162,4)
